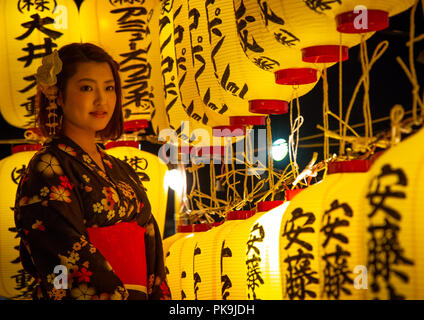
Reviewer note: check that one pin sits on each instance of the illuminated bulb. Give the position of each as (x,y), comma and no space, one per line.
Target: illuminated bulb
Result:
(175,179)
(279,149)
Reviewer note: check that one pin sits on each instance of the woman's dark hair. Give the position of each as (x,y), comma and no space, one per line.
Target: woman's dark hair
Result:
(71,55)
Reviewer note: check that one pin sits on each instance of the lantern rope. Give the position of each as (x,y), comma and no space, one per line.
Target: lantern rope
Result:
(366,84)
(378,52)
(269,153)
(411,72)
(294,131)
(325,112)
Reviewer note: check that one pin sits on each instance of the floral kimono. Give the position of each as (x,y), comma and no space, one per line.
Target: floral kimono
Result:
(63,199)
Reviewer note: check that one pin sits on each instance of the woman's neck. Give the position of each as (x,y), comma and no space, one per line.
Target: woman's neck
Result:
(86,140)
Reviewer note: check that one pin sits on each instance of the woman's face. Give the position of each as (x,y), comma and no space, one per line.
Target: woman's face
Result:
(90,98)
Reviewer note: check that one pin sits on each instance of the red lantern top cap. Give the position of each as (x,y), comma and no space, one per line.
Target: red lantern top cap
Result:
(349,166)
(135,125)
(296,76)
(290,194)
(26,147)
(114,144)
(185,229)
(268,106)
(376,20)
(201,227)
(268,205)
(247,120)
(325,54)
(240,215)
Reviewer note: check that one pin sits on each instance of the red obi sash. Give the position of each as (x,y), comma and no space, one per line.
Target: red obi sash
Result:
(123,247)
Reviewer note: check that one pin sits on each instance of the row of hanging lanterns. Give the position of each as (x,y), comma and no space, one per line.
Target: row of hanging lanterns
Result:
(355,235)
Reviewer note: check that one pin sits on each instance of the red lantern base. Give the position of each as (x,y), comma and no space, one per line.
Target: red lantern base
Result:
(247,120)
(268,106)
(113,144)
(135,125)
(325,54)
(228,131)
(296,76)
(349,166)
(353,22)
(240,215)
(290,194)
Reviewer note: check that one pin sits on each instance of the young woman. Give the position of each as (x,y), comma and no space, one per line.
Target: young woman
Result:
(86,226)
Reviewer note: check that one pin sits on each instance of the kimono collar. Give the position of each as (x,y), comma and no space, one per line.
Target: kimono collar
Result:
(70,147)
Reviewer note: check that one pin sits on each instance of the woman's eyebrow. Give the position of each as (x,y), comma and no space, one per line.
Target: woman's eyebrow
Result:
(92,80)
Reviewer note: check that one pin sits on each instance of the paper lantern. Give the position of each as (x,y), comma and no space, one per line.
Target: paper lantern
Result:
(14,280)
(30,30)
(233,70)
(315,31)
(394,230)
(213,92)
(180,116)
(342,247)
(184,64)
(321,239)
(129,32)
(273,52)
(151,171)
(183,278)
(182,231)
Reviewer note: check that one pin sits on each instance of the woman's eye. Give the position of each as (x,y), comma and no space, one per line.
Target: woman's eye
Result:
(110,88)
(86,88)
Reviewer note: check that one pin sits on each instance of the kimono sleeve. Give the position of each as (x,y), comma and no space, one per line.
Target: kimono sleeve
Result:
(54,241)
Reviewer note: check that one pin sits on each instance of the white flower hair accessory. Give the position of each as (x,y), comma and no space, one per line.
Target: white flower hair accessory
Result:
(51,66)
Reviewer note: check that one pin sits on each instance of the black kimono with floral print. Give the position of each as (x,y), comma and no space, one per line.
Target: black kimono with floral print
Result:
(62,193)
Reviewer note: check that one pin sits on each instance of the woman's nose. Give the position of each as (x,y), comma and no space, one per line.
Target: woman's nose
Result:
(100,97)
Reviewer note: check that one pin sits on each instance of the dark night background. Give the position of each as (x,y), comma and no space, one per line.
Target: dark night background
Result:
(389,86)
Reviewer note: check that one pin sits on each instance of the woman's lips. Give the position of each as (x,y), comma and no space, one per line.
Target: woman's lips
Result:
(98,114)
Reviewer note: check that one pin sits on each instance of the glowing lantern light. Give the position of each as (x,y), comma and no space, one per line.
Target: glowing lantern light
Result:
(129,33)
(183,277)
(271,52)
(152,172)
(307,237)
(29,32)
(12,276)
(190,95)
(233,69)
(173,254)
(394,228)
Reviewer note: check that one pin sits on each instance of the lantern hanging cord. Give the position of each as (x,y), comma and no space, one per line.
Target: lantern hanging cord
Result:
(378,52)
(340,93)
(411,73)
(269,152)
(366,99)
(294,130)
(325,111)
